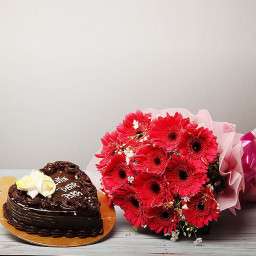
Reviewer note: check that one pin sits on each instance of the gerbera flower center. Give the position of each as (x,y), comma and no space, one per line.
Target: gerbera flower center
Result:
(122,174)
(157,160)
(196,145)
(134,202)
(172,136)
(139,134)
(165,215)
(183,174)
(200,206)
(155,187)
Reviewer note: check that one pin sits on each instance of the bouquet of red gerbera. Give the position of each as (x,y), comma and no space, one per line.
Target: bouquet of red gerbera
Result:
(172,172)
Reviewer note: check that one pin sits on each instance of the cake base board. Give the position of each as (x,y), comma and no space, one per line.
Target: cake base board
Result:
(107,213)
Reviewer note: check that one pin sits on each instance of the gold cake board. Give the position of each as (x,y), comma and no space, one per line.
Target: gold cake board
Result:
(107,213)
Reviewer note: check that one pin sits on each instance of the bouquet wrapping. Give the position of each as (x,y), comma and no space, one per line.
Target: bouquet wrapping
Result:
(174,172)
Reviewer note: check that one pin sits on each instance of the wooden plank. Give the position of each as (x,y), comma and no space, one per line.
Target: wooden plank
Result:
(232,235)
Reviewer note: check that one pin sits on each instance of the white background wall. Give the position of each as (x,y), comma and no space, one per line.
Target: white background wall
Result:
(69,70)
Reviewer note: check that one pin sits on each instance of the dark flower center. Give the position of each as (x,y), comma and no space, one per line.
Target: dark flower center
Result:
(172,136)
(183,174)
(134,202)
(155,187)
(196,146)
(139,134)
(157,161)
(200,206)
(165,215)
(122,174)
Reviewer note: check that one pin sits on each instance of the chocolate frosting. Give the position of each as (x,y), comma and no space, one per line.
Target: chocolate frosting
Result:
(72,209)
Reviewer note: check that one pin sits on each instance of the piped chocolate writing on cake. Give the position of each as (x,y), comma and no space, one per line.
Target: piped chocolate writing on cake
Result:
(72,210)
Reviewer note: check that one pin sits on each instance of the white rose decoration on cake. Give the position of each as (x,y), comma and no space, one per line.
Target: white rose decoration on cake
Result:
(37,183)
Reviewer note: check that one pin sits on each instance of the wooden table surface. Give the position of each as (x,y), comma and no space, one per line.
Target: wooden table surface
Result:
(232,235)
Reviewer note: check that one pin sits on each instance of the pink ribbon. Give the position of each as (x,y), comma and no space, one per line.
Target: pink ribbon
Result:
(248,141)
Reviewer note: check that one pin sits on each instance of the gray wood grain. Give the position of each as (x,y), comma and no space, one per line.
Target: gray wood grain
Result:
(232,235)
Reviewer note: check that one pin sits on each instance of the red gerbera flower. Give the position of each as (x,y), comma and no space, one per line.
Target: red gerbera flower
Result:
(150,159)
(199,144)
(152,190)
(162,219)
(167,131)
(129,202)
(111,145)
(135,126)
(116,174)
(184,177)
(201,209)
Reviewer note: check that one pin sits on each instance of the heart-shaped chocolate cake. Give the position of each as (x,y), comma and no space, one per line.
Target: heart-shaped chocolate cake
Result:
(66,204)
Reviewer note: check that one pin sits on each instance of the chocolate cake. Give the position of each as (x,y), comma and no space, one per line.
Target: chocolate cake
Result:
(72,210)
